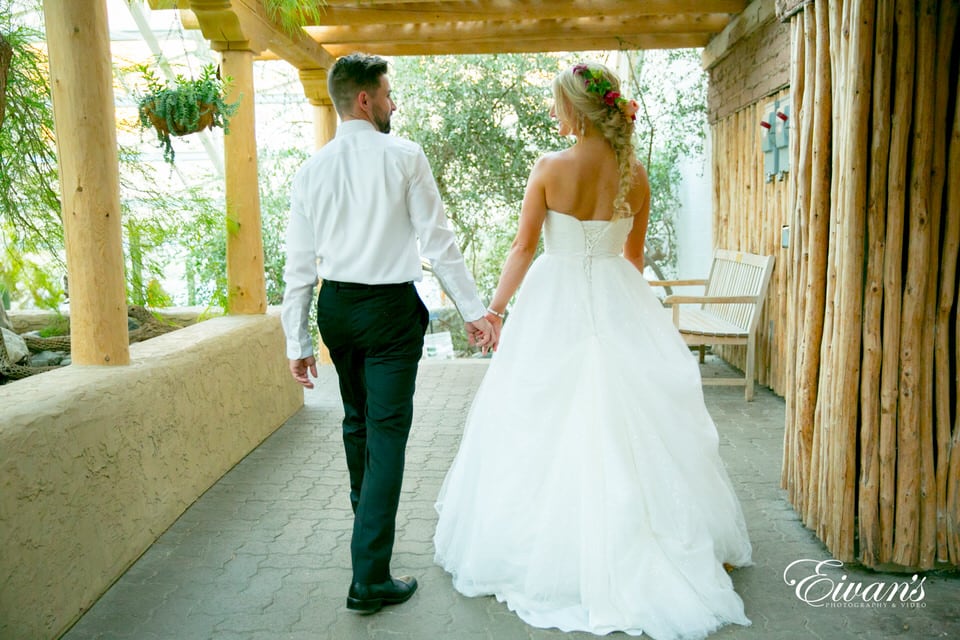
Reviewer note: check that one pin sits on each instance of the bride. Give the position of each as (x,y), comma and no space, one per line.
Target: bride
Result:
(588,493)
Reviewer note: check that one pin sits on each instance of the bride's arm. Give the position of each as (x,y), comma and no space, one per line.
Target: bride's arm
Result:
(640,203)
(532,214)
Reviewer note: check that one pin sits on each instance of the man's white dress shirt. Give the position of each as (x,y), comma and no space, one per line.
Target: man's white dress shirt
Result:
(357,209)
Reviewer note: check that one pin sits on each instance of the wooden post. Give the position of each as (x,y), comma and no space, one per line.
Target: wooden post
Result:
(938,308)
(869,495)
(893,272)
(246,283)
(948,450)
(853,199)
(913,417)
(314,83)
(82,84)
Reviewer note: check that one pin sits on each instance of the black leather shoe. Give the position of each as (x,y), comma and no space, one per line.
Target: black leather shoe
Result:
(370,598)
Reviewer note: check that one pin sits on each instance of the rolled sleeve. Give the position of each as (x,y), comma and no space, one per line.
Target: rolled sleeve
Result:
(438,243)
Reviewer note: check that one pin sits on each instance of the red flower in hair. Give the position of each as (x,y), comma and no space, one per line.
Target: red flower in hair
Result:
(595,82)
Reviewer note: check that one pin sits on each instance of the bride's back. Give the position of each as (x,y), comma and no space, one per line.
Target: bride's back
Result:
(582,181)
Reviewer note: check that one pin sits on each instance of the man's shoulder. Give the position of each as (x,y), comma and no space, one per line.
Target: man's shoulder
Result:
(402,145)
(312,161)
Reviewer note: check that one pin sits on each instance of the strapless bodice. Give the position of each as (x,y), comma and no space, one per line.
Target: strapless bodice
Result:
(565,235)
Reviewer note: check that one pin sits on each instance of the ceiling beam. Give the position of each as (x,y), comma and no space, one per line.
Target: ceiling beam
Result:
(467,31)
(244,24)
(526,45)
(340,12)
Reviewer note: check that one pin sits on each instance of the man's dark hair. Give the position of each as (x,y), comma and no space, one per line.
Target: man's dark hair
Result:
(352,74)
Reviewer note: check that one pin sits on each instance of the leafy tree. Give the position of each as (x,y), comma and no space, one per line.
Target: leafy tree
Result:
(204,235)
(29,187)
(482,121)
(671,88)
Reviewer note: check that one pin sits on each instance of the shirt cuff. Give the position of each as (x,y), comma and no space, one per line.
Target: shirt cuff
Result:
(473,310)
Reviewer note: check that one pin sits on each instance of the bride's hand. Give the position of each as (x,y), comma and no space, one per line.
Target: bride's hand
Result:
(482,333)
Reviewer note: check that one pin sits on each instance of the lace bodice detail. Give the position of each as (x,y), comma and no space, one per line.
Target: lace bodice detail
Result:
(566,235)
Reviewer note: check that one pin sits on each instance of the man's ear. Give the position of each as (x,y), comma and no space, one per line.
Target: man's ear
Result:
(363,100)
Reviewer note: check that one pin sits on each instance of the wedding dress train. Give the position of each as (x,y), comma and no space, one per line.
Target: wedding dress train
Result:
(588,492)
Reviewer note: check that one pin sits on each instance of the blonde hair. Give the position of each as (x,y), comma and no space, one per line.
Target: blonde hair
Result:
(574,102)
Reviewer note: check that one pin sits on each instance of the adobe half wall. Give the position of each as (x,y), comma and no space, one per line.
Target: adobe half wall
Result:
(97,462)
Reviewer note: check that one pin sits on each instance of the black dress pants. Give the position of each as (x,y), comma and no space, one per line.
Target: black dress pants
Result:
(375,337)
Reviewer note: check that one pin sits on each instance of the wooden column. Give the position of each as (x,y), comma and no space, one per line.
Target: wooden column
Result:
(314,83)
(246,283)
(82,85)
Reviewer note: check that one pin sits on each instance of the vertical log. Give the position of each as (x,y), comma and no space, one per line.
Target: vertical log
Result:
(246,282)
(892,278)
(948,448)
(81,79)
(853,200)
(802,411)
(938,309)
(795,457)
(913,441)
(816,323)
(869,510)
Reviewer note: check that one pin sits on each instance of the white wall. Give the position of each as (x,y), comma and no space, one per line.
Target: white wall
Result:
(694,222)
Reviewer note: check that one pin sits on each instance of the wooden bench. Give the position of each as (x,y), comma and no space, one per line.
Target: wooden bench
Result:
(728,312)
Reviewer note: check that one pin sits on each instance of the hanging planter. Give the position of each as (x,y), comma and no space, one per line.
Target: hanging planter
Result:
(183,107)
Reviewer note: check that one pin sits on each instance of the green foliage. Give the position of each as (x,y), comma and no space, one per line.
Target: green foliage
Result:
(277,169)
(482,121)
(185,106)
(291,15)
(204,235)
(29,183)
(59,326)
(671,88)
(156,296)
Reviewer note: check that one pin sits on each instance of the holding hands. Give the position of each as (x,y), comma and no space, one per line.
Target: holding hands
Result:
(485,332)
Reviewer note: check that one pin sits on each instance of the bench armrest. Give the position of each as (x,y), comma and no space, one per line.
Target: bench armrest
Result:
(671,300)
(675,283)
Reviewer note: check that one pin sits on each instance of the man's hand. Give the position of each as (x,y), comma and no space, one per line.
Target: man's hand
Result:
(299,369)
(483,333)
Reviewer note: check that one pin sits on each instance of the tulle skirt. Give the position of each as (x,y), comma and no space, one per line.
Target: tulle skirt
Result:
(588,492)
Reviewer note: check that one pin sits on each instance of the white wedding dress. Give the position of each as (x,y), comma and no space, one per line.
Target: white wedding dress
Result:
(588,492)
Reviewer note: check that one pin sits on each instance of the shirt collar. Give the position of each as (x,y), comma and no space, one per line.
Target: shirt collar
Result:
(350,127)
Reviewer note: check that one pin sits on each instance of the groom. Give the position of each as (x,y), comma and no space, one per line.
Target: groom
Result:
(358,208)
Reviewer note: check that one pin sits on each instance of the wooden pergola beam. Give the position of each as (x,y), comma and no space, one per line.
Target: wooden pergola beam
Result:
(465,32)
(531,45)
(232,25)
(384,13)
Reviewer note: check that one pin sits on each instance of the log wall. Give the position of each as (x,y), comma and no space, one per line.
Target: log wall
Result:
(748,215)
(872,440)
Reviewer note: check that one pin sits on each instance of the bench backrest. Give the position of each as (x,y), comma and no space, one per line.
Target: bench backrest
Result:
(734,273)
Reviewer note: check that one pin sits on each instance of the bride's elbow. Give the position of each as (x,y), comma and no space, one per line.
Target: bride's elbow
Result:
(523,248)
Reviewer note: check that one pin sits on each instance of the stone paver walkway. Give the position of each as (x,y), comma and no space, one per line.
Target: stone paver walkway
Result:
(264,554)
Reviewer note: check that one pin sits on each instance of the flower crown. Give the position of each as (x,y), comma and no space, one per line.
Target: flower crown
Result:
(595,82)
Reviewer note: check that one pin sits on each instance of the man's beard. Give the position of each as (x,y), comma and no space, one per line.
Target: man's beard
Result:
(382,123)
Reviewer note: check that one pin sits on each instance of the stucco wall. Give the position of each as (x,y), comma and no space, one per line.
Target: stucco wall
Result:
(96,462)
